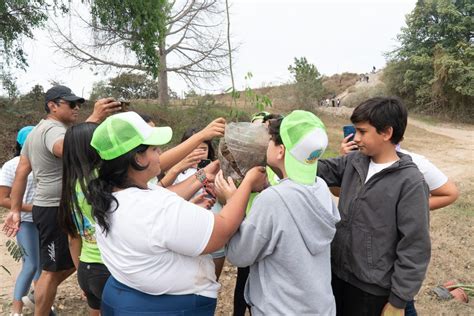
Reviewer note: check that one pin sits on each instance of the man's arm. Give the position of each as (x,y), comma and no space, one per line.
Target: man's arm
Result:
(58,148)
(414,247)
(104,108)
(12,221)
(444,195)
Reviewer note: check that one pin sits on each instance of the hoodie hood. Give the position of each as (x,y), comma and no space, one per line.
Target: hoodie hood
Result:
(315,218)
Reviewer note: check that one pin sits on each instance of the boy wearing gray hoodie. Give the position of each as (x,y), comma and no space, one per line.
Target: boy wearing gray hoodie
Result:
(287,235)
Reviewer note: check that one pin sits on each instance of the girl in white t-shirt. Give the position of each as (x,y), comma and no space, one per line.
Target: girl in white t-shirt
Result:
(27,236)
(154,243)
(203,154)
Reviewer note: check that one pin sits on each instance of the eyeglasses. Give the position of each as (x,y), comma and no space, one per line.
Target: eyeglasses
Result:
(71,104)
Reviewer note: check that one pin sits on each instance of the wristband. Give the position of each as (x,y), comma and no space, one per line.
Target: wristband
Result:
(201,176)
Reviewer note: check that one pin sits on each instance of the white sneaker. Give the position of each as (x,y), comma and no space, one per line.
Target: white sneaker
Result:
(29,300)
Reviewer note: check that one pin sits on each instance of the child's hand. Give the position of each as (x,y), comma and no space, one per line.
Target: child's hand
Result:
(258,178)
(347,146)
(390,310)
(203,201)
(190,160)
(214,129)
(211,170)
(224,188)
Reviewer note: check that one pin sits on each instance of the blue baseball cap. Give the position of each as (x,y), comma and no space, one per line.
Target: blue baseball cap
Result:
(22,134)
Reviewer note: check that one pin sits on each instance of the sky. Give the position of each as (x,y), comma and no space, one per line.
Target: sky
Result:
(336,36)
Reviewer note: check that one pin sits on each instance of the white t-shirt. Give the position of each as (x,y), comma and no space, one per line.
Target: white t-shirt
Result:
(7,176)
(376,167)
(434,177)
(155,241)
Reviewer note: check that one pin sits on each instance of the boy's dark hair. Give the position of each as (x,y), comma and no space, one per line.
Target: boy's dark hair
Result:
(382,113)
(147,118)
(271,117)
(274,130)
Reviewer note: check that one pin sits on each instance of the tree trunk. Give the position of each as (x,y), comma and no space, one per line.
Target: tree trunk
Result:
(163,97)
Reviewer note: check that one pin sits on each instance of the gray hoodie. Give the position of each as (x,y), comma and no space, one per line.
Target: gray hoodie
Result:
(286,242)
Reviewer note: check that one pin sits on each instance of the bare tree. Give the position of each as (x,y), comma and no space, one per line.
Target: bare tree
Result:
(193,45)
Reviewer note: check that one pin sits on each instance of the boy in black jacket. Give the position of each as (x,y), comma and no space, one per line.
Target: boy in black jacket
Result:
(382,247)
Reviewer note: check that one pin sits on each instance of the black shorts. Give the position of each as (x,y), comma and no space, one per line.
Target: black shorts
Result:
(54,245)
(92,278)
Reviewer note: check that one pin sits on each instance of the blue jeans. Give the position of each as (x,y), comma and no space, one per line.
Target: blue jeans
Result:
(410,309)
(27,238)
(121,300)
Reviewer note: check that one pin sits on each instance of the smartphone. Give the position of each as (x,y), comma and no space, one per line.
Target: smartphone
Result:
(349,129)
(124,104)
(203,163)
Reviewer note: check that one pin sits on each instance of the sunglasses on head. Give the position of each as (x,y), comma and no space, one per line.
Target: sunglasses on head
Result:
(72,104)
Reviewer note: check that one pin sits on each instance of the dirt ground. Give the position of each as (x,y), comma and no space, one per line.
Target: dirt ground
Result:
(449,146)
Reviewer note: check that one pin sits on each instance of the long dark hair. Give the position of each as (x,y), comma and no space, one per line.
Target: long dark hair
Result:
(112,174)
(193,130)
(79,162)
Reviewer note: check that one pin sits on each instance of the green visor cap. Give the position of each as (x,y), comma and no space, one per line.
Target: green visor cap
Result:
(120,133)
(259,116)
(305,139)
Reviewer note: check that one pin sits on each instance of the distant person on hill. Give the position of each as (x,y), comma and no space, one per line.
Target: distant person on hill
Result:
(382,247)
(338,102)
(42,154)
(333,102)
(27,236)
(373,69)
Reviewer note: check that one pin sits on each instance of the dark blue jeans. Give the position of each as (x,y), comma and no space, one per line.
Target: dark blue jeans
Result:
(121,300)
(410,309)
(351,300)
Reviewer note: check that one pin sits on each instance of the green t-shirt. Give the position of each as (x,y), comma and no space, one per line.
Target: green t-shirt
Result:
(86,228)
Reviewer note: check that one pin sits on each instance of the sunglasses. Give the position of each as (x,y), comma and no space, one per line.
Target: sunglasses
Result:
(71,104)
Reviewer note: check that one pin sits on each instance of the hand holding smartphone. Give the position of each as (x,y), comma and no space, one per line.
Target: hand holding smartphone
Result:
(349,129)
(348,143)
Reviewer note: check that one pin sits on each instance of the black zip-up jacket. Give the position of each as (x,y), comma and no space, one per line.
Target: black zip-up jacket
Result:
(382,243)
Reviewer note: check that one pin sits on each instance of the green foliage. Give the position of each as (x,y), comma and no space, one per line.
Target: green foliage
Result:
(18,18)
(256,100)
(433,69)
(9,85)
(308,82)
(126,85)
(143,22)
(16,252)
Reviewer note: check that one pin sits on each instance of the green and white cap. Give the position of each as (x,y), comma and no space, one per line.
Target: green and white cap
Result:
(120,133)
(259,116)
(305,139)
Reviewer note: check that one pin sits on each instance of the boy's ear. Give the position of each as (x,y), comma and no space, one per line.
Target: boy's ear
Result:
(281,152)
(387,133)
